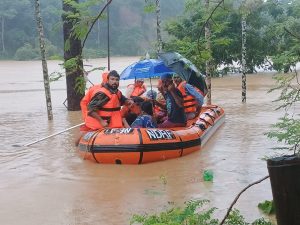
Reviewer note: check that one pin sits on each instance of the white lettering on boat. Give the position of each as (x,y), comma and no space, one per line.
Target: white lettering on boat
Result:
(88,135)
(160,134)
(118,131)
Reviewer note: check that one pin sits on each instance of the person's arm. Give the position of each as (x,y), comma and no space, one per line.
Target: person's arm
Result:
(98,101)
(158,104)
(192,91)
(143,90)
(176,95)
(95,115)
(95,104)
(126,101)
(125,123)
(129,90)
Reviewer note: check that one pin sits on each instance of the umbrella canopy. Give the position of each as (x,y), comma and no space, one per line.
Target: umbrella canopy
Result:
(145,69)
(185,68)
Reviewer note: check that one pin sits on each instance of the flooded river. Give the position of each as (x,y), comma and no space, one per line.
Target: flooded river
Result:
(47,183)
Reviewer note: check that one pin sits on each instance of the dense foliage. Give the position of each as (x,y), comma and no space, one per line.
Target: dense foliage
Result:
(287,129)
(194,213)
(132,30)
(268,23)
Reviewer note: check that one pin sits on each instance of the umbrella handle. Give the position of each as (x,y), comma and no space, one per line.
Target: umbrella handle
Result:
(153,102)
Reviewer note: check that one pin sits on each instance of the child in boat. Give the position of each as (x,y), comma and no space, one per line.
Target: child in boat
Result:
(131,112)
(145,120)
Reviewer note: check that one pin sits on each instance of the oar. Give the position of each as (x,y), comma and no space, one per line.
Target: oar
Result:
(52,135)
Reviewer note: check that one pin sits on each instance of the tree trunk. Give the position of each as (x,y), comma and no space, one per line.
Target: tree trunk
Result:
(158,30)
(74,51)
(208,62)
(98,34)
(2,34)
(43,55)
(244,52)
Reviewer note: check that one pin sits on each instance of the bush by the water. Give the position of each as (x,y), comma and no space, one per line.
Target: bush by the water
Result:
(26,52)
(91,53)
(32,52)
(194,213)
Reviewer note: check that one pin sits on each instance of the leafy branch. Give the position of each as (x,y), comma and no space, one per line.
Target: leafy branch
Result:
(292,34)
(287,129)
(237,197)
(95,20)
(206,22)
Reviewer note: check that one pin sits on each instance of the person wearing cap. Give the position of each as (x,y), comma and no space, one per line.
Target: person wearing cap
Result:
(105,104)
(174,103)
(145,119)
(192,98)
(136,89)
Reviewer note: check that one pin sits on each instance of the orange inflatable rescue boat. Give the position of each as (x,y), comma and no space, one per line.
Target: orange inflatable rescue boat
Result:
(144,145)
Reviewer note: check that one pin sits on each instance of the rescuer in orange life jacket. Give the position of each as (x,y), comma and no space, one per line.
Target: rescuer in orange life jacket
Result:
(105,105)
(192,97)
(136,89)
(102,104)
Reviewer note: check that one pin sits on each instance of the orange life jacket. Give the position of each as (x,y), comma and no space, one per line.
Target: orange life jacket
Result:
(87,98)
(104,77)
(137,90)
(189,102)
(110,111)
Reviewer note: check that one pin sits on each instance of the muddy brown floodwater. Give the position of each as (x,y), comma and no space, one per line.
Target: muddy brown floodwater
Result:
(47,183)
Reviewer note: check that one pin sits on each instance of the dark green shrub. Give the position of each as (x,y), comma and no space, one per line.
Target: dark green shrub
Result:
(26,52)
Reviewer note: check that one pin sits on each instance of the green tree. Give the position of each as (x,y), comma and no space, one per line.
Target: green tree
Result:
(188,37)
(286,57)
(8,10)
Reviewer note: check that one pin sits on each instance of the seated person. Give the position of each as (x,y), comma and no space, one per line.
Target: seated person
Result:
(136,89)
(174,103)
(131,112)
(192,98)
(159,113)
(105,104)
(89,94)
(145,119)
(101,103)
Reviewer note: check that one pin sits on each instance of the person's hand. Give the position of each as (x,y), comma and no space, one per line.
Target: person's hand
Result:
(129,102)
(153,101)
(104,123)
(198,110)
(171,87)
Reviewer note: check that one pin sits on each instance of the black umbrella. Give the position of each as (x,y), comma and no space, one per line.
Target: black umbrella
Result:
(185,68)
